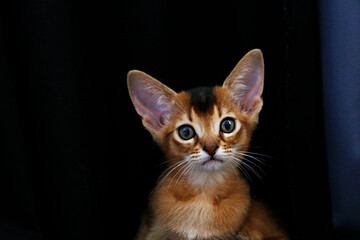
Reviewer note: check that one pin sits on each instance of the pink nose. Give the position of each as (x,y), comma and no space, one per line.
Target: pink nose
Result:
(211,150)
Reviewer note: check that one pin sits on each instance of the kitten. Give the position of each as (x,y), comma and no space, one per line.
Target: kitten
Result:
(204,134)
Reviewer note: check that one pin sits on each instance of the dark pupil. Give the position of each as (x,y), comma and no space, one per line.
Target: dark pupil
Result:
(227,125)
(186,131)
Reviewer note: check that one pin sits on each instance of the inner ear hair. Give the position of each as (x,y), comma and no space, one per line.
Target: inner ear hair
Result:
(152,100)
(246,81)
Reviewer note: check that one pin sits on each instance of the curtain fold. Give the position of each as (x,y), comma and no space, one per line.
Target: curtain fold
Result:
(340,46)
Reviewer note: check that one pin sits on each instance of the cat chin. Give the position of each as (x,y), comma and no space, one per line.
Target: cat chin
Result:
(210,172)
(206,176)
(212,164)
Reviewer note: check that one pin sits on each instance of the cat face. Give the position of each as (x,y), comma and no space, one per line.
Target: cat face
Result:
(203,129)
(206,131)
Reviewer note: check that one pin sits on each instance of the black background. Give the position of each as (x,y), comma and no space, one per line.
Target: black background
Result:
(76,162)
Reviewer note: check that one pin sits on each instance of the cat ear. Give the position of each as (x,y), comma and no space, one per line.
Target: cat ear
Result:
(246,83)
(153,100)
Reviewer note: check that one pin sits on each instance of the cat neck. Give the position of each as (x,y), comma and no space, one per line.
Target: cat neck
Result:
(204,182)
(203,179)
(204,208)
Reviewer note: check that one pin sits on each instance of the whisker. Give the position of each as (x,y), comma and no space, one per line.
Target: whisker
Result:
(234,167)
(237,161)
(248,166)
(252,157)
(244,155)
(170,170)
(174,165)
(251,169)
(183,172)
(169,160)
(259,154)
(180,171)
(190,170)
(255,165)
(233,164)
(246,174)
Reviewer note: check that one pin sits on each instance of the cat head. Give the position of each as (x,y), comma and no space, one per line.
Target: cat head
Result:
(208,128)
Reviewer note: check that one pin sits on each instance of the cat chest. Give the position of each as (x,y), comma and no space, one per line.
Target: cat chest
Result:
(204,217)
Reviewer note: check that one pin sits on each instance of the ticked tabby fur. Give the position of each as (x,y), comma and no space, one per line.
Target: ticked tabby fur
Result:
(204,134)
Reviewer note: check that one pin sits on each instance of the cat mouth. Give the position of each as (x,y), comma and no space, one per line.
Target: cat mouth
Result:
(212,160)
(212,163)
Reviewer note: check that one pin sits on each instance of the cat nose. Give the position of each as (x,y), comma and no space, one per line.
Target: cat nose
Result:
(211,149)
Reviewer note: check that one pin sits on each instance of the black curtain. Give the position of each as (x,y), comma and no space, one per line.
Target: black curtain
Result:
(75,161)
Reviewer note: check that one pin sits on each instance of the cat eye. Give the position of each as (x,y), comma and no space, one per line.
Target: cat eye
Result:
(186,132)
(227,125)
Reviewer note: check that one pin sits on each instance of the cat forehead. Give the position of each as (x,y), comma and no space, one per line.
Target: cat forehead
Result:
(209,117)
(205,107)
(202,99)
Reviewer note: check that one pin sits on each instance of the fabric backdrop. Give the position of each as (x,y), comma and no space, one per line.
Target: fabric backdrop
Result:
(75,161)
(340,45)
